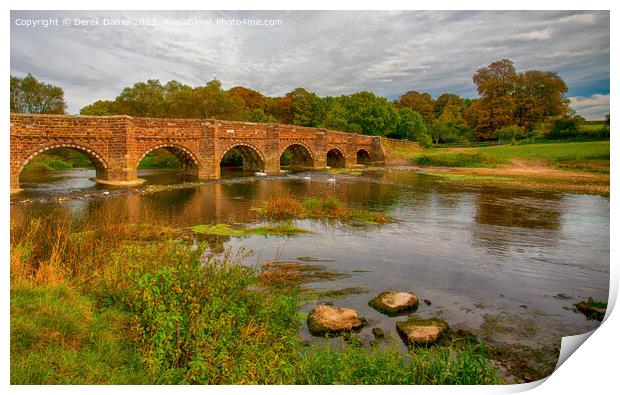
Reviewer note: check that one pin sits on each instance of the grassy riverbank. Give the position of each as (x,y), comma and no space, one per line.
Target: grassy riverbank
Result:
(577,167)
(121,303)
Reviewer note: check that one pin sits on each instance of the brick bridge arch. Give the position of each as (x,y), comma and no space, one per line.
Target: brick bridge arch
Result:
(116,144)
(98,162)
(336,157)
(253,158)
(188,159)
(301,154)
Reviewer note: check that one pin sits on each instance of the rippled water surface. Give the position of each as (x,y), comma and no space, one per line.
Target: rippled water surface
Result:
(473,252)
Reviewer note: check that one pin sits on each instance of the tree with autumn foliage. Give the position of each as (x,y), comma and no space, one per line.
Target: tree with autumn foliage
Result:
(510,98)
(252,100)
(422,103)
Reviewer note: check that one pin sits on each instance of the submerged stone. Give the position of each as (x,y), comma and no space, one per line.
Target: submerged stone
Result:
(395,303)
(421,332)
(333,320)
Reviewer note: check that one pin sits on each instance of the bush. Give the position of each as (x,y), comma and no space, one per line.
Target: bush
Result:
(566,127)
(425,140)
(512,132)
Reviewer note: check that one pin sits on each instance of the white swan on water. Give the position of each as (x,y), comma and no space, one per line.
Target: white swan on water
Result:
(333,179)
(306,178)
(260,174)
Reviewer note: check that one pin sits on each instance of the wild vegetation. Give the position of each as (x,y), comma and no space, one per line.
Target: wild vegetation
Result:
(120,300)
(286,207)
(278,229)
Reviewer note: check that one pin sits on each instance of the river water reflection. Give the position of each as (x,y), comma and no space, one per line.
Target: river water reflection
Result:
(473,252)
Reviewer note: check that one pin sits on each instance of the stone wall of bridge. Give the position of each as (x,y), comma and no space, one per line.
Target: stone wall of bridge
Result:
(117,144)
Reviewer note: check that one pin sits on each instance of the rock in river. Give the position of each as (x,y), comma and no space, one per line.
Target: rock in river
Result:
(333,320)
(421,332)
(395,303)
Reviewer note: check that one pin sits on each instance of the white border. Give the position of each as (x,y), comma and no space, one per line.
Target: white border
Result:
(591,369)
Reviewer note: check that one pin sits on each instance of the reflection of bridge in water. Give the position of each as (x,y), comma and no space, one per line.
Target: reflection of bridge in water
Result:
(117,144)
(231,202)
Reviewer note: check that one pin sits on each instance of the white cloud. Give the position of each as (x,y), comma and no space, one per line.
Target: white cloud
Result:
(593,107)
(541,34)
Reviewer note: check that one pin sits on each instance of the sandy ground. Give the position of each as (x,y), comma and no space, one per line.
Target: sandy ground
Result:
(526,168)
(528,174)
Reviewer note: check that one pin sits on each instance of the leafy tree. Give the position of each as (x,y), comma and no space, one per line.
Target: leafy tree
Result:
(496,80)
(425,140)
(510,98)
(337,118)
(143,99)
(374,115)
(282,109)
(260,116)
(448,100)
(28,95)
(100,107)
(217,104)
(538,96)
(252,100)
(512,132)
(441,132)
(421,103)
(410,125)
(181,101)
(306,107)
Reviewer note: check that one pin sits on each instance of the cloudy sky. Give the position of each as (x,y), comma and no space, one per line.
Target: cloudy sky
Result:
(330,53)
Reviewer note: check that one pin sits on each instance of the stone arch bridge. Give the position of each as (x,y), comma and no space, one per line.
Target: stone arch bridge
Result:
(117,144)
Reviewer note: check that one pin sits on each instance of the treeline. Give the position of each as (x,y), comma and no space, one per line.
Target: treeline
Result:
(511,104)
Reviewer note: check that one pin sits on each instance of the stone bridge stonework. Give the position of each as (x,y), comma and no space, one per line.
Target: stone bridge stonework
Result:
(117,144)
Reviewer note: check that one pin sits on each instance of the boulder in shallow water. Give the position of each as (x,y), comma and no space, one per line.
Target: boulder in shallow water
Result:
(333,320)
(421,332)
(395,303)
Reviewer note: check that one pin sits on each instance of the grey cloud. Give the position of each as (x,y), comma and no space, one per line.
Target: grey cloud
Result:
(593,107)
(330,52)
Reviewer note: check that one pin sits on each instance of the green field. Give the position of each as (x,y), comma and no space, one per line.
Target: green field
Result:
(590,156)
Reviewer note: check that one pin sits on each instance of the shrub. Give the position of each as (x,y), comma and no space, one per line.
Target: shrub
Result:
(425,140)
(512,132)
(565,127)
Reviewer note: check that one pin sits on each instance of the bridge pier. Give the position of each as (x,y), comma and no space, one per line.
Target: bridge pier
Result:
(272,166)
